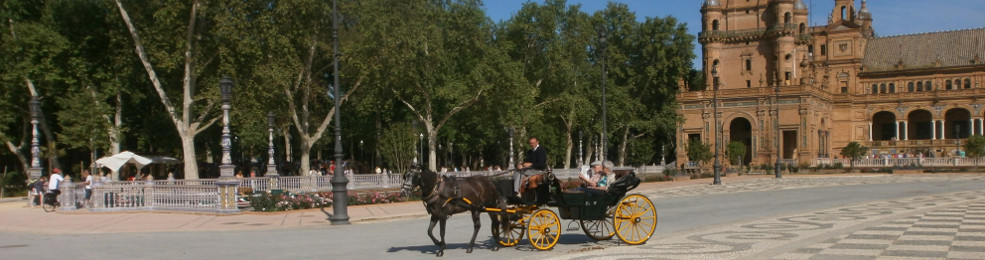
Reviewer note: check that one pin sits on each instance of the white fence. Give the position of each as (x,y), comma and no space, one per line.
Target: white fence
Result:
(903,162)
(150,195)
(208,194)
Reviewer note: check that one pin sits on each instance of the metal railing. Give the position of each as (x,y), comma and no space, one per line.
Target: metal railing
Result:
(207,194)
(903,162)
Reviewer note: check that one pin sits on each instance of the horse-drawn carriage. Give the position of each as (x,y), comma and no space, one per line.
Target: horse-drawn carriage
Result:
(601,214)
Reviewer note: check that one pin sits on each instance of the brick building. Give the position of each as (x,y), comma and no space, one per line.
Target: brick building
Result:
(814,89)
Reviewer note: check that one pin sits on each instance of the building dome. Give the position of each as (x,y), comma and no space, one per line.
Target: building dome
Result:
(712,3)
(864,12)
(799,5)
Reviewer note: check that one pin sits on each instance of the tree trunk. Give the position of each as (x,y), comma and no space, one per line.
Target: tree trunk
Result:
(568,150)
(622,146)
(305,156)
(432,147)
(114,132)
(288,155)
(16,150)
(188,156)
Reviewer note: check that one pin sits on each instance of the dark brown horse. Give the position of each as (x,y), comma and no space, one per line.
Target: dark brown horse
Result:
(444,196)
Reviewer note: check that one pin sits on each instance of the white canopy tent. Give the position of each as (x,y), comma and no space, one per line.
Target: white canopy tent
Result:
(113,163)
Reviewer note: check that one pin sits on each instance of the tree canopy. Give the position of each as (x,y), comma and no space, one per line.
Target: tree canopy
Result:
(144,76)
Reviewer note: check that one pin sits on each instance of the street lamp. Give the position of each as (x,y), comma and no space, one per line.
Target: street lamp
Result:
(510,164)
(227,167)
(717,165)
(602,43)
(776,129)
(421,154)
(35,108)
(957,140)
(580,147)
(339,181)
(271,165)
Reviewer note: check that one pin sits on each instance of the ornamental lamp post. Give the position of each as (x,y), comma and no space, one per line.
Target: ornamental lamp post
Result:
(510,164)
(35,108)
(602,43)
(339,181)
(227,183)
(957,141)
(271,165)
(227,168)
(776,129)
(581,148)
(420,156)
(717,165)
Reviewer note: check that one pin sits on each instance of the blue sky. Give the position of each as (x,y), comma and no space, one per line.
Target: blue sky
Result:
(890,17)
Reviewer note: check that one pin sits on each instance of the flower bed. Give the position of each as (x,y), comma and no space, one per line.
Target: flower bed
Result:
(283,201)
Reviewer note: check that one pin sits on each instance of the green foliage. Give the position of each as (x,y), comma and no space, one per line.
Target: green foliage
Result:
(698,151)
(734,150)
(13,182)
(442,64)
(269,202)
(398,146)
(975,146)
(854,151)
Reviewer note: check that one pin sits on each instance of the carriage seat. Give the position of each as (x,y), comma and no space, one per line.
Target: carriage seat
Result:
(624,183)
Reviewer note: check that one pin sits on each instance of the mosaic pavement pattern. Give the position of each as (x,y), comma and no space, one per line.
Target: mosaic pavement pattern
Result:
(766,184)
(942,226)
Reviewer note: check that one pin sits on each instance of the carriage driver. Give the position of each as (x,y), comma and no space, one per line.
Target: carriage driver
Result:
(536,160)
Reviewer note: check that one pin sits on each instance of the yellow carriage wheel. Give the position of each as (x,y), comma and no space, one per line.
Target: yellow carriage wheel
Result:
(513,233)
(601,229)
(544,229)
(635,219)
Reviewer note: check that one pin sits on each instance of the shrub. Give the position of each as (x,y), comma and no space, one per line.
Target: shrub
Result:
(269,202)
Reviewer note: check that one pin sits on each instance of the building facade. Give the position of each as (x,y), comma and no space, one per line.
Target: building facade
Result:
(803,92)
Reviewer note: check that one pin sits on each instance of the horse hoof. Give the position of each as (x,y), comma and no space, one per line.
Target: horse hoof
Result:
(440,254)
(495,249)
(468,251)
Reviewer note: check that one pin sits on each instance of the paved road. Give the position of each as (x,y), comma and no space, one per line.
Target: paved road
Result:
(791,218)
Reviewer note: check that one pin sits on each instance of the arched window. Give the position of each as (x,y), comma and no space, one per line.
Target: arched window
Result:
(786,17)
(947,85)
(803,28)
(749,64)
(928,85)
(909,86)
(843,10)
(919,85)
(875,89)
(892,87)
(967,83)
(882,88)
(714,25)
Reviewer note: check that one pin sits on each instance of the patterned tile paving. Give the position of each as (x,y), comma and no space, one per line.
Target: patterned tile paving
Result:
(941,226)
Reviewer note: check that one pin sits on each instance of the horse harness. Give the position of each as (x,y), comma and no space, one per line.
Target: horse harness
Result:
(437,195)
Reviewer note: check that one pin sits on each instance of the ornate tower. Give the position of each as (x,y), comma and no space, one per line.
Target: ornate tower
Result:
(713,22)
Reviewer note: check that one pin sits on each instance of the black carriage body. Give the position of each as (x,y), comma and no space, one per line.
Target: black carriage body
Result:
(572,204)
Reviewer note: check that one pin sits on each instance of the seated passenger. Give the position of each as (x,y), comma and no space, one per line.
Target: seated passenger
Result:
(596,180)
(595,177)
